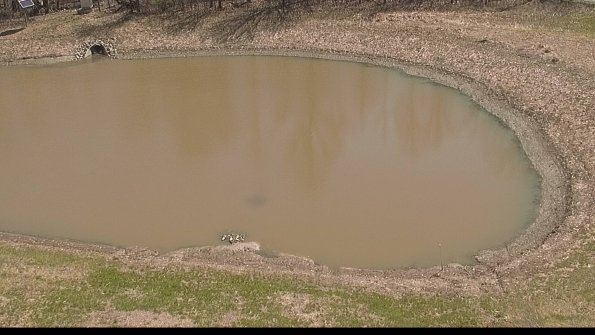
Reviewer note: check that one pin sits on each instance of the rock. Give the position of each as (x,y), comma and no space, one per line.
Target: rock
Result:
(84,49)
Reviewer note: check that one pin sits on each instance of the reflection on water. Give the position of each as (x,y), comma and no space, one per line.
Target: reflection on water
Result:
(348,164)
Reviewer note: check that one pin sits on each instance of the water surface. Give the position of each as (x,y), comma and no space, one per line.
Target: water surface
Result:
(349,164)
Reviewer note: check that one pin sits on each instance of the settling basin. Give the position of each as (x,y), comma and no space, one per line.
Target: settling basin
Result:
(345,163)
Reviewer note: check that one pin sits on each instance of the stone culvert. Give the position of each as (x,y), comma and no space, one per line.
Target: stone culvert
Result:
(97,47)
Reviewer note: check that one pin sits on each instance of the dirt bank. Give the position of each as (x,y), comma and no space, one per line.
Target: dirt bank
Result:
(538,78)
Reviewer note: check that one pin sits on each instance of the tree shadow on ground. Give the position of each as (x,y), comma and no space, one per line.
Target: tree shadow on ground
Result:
(244,24)
(105,28)
(10,31)
(175,23)
(368,9)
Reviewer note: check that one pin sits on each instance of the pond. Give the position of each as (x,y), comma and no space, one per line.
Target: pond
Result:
(348,164)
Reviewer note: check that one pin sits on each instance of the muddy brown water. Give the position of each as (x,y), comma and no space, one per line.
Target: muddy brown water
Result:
(351,165)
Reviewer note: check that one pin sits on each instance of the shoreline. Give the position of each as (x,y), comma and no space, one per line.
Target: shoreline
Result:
(537,82)
(554,183)
(540,152)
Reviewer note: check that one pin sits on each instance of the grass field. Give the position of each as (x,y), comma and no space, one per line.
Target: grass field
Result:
(50,288)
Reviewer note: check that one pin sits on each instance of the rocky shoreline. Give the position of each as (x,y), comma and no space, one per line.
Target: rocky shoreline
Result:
(547,98)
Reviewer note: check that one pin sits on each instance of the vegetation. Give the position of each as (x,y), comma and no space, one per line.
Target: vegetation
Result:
(41,287)
(53,288)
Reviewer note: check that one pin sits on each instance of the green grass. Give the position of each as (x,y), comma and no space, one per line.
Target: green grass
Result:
(578,22)
(565,16)
(564,296)
(204,296)
(49,288)
(207,296)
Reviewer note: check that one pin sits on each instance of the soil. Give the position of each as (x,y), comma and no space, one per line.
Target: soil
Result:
(539,79)
(134,319)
